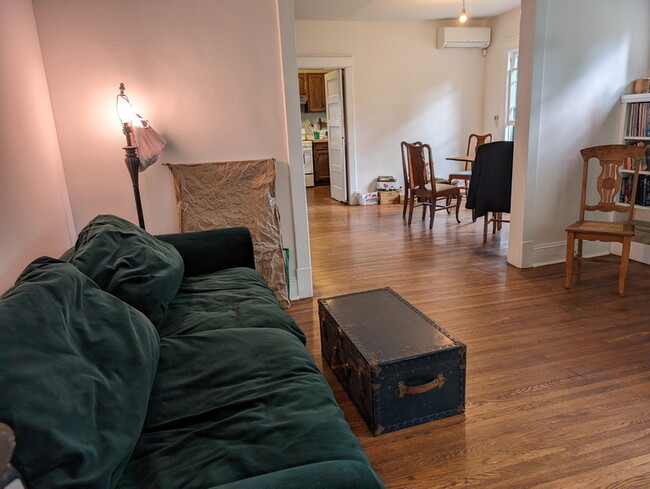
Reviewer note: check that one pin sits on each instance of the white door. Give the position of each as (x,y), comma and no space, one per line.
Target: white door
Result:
(336,135)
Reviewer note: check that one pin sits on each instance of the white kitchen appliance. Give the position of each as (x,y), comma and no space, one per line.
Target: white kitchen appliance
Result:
(308,160)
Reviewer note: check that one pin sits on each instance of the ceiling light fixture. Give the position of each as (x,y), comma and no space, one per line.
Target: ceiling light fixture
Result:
(463,15)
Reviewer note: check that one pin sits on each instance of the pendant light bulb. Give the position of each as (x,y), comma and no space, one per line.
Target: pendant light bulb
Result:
(463,15)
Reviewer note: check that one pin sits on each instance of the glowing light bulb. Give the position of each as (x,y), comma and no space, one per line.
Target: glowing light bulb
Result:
(463,17)
(124,109)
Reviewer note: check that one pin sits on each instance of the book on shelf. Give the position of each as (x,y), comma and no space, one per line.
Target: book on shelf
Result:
(642,190)
(638,125)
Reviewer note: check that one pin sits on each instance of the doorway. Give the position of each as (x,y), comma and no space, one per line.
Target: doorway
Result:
(336,122)
(322,112)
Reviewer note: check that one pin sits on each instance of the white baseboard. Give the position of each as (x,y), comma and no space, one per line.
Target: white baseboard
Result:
(549,253)
(638,251)
(552,253)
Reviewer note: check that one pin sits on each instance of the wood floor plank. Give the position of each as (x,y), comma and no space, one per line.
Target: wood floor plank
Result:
(558,381)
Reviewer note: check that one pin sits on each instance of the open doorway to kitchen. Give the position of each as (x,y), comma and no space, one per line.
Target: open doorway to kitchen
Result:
(322,111)
(327,125)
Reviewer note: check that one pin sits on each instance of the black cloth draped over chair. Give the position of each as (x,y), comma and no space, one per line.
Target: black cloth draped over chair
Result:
(491,184)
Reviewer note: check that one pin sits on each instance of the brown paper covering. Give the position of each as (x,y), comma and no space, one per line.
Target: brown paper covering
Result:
(235,193)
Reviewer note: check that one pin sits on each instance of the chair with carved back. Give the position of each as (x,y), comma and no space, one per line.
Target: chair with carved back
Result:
(610,185)
(473,142)
(422,184)
(405,171)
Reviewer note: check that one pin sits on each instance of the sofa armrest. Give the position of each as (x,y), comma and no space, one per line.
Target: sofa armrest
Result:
(213,250)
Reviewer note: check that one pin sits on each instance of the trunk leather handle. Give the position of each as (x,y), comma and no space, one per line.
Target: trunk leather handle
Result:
(403,389)
(341,365)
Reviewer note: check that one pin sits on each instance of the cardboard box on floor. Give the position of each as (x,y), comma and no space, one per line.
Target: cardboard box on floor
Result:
(389,197)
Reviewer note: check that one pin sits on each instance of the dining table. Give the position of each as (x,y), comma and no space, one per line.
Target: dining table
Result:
(466,158)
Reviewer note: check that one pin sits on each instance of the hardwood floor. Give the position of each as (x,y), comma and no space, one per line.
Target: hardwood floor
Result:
(558,381)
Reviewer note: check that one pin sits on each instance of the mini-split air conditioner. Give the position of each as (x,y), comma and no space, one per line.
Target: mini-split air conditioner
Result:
(463,37)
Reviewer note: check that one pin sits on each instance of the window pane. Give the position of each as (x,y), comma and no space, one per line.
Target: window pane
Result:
(511,95)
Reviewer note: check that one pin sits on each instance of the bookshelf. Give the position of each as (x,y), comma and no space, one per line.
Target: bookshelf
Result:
(634,127)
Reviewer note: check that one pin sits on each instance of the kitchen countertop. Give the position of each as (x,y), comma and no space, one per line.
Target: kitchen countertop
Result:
(321,140)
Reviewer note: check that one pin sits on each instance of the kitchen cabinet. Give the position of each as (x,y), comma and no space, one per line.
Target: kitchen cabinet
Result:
(312,85)
(315,92)
(321,163)
(302,83)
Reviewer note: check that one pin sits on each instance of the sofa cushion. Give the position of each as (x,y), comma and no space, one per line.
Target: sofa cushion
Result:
(234,404)
(130,263)
(231,298)
(332,474)
(76,369)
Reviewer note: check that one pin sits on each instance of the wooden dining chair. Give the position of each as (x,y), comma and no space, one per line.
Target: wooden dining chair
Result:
(422,184)
(473,142)
(405,172)
(611,159)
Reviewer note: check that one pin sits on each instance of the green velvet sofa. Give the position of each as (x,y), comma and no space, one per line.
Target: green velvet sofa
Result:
(165,362)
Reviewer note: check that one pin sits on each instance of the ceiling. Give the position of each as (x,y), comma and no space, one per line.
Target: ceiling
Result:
(383,10)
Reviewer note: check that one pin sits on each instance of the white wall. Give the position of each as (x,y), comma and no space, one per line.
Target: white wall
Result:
(404,89)
(35,214)
(207,74)
(505,37)
(577,59)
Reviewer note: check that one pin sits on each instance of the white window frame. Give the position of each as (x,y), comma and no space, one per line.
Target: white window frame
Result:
(511,94)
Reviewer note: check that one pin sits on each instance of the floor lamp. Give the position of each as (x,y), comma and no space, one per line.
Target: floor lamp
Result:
(125,113)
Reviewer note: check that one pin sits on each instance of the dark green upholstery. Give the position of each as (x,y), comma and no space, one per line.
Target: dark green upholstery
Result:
(76,370)
(321,475)
(231,298)
(221,393)
(213,250)
(128,262)
(236,404)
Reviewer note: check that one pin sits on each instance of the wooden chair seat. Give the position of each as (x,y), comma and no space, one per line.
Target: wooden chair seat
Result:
(442,187)
(600,227)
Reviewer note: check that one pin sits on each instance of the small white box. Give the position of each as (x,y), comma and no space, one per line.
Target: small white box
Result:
(369,199)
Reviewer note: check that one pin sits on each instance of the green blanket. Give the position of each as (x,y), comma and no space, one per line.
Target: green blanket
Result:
(231,298)
(236,404)
(76,368)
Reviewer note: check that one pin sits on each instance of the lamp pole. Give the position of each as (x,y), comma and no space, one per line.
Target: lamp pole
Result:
(133,166)
(130,151)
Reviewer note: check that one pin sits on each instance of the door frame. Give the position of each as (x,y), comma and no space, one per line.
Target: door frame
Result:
(345,64)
